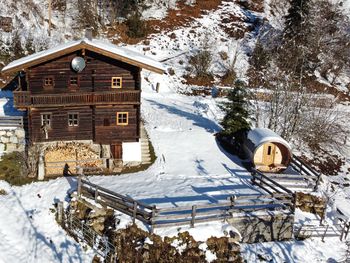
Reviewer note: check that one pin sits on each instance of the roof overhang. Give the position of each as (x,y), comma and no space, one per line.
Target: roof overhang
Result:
(98,46)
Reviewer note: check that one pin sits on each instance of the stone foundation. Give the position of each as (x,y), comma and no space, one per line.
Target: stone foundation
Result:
(255,227)
(12,140)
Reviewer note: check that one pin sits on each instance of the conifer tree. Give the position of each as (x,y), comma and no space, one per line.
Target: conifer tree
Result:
(236,121)
(295,19)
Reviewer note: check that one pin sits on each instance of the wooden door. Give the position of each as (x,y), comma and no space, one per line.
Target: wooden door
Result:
(269,154)
(117,151)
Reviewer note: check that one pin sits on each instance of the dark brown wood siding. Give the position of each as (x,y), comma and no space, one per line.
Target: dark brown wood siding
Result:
(60,131)
(96,76)
(106,129)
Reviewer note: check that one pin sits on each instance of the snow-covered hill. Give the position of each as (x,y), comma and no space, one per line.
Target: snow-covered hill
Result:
(181,127)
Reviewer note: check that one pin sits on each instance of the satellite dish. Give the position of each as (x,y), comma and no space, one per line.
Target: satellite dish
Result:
(78,64)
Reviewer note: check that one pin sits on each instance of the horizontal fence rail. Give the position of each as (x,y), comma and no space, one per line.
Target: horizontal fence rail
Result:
(25,99)
(11,121)
(184,215)
(304,169)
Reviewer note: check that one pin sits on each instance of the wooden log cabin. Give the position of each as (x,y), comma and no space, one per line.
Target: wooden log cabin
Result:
(82,90)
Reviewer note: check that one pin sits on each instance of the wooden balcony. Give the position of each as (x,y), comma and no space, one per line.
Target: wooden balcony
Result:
(23,99)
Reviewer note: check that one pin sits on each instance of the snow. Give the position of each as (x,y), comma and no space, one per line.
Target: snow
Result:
(191,167)
(259,136)
(120,51)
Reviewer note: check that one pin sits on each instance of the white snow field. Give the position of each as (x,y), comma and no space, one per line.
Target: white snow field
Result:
(190,168)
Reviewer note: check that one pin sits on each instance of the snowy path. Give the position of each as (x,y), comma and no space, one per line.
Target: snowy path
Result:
(190,167)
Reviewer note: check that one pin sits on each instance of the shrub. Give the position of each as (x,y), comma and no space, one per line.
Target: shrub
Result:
(136,26)
(12,169)
(201,63)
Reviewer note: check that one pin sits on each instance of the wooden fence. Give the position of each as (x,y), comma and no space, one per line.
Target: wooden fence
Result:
(11,121)
(189,215)
(304,169)
(337,230)
(184,215)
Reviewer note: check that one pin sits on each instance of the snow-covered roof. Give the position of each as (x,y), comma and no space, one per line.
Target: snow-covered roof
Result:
(259,136)
(99,46)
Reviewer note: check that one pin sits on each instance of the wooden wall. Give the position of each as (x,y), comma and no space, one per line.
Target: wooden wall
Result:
(114,133)
(59,124)
(96,76)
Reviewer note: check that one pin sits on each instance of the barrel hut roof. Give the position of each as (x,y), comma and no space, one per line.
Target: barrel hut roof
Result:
(259,136)
(107,49)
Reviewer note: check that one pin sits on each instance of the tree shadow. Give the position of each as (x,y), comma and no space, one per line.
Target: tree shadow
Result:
(198,120)
(40,238)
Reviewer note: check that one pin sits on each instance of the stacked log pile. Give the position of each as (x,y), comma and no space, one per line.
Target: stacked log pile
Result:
(73,154)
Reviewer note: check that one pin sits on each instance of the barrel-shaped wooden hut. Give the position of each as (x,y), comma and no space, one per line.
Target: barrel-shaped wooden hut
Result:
(267,151)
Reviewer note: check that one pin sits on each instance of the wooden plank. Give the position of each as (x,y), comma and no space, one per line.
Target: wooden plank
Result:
(114,194)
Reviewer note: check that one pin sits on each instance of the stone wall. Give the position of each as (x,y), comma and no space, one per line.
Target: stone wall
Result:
(254,227)
(12,140)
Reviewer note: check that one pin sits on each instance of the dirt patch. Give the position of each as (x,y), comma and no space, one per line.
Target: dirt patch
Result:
(199,81)
(325,162)
(181,16)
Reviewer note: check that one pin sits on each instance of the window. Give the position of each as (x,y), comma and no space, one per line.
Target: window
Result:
(73,81)
(46,120)
(48,82)
(73,119)
(122,118)
(269,150)
(117,83)
(105,122)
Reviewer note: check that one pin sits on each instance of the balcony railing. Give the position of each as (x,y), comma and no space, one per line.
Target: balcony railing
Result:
(23,99)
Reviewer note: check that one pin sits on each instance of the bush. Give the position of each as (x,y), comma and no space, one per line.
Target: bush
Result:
(136,26)
(12,169)
(201,63)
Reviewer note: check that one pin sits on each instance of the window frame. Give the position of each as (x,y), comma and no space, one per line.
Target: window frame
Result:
(122,123)
(46,85)
(116,86)
(73,119)
(49,125)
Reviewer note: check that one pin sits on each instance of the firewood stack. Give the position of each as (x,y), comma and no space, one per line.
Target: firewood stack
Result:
(73,154)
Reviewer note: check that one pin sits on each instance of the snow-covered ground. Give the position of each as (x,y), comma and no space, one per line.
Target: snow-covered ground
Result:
(190,168)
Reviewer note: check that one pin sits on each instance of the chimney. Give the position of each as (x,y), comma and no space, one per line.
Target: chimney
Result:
(88,33)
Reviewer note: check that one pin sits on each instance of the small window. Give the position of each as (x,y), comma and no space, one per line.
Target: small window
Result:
(46,120)
(105,122)
(73,81)
(48,82)
(117,83)
(269,150)
(73,119)
(122,118)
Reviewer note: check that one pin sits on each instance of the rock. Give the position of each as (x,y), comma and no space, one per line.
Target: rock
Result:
(4,139)
(2,147)
(9,133)
(20,133)
(2,133)
(13,139)
(11,147)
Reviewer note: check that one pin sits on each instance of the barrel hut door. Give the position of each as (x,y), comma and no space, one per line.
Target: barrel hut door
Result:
(269,154)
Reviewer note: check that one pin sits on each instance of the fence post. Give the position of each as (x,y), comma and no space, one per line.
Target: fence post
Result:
(152,219)
(347,230)
(96,194)
(60,212)
(194,208)
(134,212)
(79,185)
(343,232)
(325,232)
